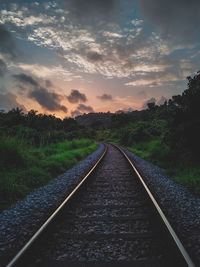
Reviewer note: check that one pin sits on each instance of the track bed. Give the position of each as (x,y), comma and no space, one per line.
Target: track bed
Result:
(111,221)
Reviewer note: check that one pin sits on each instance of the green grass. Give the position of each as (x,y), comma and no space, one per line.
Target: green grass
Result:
(179,170)
(154,151)
(189,177)
(24,168)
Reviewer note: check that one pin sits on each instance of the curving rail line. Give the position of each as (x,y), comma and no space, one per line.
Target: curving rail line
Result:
(50,219)
(178,243)
(162,215)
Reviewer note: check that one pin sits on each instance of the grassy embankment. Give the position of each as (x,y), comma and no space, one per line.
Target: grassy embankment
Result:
(180,170)
(177,165)
(24,168)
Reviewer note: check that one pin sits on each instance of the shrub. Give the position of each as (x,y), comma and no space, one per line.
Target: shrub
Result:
(13,153)
(26,168)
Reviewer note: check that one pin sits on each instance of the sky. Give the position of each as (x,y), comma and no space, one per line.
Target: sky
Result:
(69,57)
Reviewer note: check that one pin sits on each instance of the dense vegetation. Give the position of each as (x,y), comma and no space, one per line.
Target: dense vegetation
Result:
(40,129)
(25,168)
(35,148)
(167,135)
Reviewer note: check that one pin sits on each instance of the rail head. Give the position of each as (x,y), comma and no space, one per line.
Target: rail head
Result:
(49,220)
(173,234)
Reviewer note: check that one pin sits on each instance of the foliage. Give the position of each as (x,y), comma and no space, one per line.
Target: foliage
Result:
(34,145)
(154,150)
(24,168)
(40,129)
(13,153)
(184,130)
(139,131)
(167,135)
(189,177)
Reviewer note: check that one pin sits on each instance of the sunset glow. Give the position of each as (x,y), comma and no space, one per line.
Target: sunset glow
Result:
(116,55)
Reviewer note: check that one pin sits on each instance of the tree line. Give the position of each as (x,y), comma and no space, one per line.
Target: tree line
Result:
(176,122)
(40,129)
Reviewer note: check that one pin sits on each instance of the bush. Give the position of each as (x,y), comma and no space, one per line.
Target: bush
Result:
(155,151)
(13,153)
(25,168)
(189,177)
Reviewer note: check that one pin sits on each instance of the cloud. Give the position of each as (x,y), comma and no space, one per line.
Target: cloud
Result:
(142,94)
(177,19)
(90,12)
(81,109)
(112,34)
(3,68)
(168,75)
(159,101)
(128,109)
(116,58)
(9,101)
(111,59)
(92,44)
(48,100)
(84,108)
(47,72)
(7,43)
(76,113)
(105,97)
(76,97)
(60,52)
(26,79)
(94,56)
(111,50)
(93,52)
(48,83)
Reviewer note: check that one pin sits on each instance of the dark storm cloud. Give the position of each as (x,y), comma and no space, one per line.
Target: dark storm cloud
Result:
(178,19)
(7,43)
(48,100)
(26,79)
(81,109)
(91,11)
(3,68)
(75,113)
(105,97)
(9,101)
(76,97)
(84,108)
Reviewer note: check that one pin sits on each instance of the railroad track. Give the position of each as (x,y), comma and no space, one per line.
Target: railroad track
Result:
(110,219)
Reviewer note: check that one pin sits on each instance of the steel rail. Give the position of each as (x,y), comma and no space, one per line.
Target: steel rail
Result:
(179,244)
(46,223)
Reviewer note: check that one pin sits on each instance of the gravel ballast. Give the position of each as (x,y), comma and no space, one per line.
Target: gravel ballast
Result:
(180,207)
(98,227)
(21,221)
